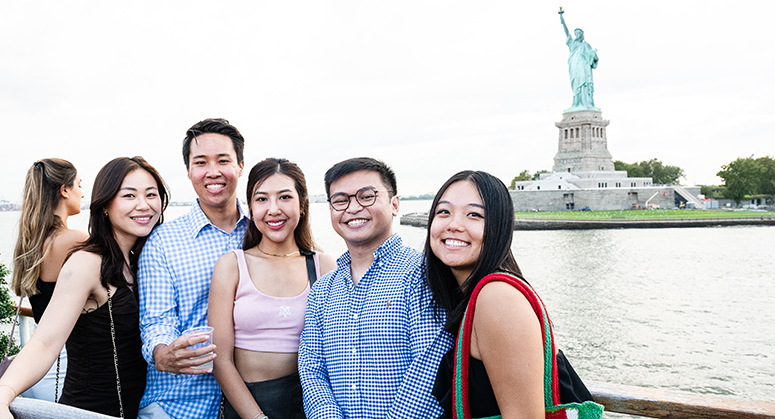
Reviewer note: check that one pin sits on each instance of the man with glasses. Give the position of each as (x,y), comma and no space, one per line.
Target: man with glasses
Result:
(371,343)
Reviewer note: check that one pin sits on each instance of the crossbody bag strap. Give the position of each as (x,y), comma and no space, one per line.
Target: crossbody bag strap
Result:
(115,353)
(15,320)
(460,402)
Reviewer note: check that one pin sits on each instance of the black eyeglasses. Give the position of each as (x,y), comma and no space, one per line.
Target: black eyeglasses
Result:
(366,197)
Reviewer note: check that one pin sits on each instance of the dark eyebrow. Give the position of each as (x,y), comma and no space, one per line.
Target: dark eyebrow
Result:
(282,191)
(202,156)
(129,188)
(471,204)
(369,187)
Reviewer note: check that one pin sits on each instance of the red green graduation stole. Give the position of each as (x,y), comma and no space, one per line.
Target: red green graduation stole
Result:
(553,408)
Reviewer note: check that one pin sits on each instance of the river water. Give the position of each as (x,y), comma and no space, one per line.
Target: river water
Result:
(688,309)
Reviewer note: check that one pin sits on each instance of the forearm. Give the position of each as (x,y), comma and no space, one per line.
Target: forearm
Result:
(156,338)
(234,388)
(319,400)
(27,368)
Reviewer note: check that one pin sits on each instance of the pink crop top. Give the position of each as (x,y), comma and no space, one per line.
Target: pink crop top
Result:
(265,323)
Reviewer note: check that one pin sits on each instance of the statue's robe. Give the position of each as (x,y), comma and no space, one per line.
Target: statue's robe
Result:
(580,64)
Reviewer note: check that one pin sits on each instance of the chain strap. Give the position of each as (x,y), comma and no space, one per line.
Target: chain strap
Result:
(56,385)
(115,353)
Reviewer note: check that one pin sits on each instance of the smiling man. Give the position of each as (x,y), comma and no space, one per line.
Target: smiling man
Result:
(175,270)
(371,344)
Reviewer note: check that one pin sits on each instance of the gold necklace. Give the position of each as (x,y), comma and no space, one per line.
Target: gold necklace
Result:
(277,256)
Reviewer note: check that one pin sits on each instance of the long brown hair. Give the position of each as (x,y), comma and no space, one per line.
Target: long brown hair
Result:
(38,222)
(261,172)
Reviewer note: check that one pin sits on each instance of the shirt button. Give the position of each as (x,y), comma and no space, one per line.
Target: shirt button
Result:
(354,351)
(353,387)
(355,316)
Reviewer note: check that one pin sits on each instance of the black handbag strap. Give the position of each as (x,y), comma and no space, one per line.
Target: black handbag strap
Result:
(312,272)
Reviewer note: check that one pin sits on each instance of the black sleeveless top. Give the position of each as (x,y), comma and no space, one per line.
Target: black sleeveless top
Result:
(90,382)
(40,301)
(481,397)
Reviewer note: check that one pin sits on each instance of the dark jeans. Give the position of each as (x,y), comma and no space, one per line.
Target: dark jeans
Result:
(279,398)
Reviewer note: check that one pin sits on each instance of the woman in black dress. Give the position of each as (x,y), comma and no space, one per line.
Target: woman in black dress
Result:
(52,193)
(95,306)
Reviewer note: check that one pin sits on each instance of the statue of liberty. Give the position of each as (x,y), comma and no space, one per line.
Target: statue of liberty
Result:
(580,64)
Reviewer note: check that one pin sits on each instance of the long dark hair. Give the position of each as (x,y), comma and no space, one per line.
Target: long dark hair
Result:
(496,246)
(101,239)
(261,172)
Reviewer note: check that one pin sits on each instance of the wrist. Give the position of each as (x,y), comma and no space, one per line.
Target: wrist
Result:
(3,392)
(261,415)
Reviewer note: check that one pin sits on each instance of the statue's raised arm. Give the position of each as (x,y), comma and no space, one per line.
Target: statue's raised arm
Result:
(580,64)
(562,20)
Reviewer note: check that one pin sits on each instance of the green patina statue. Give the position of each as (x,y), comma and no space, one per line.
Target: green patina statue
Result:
(580,64)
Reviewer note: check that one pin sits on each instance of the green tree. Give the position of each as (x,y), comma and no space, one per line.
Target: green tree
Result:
(633,170)
(537,174)
(522,176)
(659,173)
(741,177)
(707,190)
(7,312)
(767,180)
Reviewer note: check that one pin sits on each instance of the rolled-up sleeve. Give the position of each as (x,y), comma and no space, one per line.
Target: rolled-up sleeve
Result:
(158,309)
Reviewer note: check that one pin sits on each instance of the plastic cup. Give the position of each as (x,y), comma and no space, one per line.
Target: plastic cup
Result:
(201,330)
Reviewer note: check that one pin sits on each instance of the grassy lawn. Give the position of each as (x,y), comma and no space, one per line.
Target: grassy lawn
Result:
(642,214)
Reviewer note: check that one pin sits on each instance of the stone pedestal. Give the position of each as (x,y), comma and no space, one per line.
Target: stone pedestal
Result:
(583,144)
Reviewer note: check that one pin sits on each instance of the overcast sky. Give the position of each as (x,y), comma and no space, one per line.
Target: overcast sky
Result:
(430,87)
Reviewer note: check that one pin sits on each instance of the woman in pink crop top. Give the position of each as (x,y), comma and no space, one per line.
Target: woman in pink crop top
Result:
(258,297)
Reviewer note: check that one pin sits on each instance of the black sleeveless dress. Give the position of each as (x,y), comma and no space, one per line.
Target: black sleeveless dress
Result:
(91,375)
(481,397)
(40,301)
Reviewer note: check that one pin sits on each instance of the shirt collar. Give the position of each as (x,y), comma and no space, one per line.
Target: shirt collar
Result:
(383,251)
(198,220)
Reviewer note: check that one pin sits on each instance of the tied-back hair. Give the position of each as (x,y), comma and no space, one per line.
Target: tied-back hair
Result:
(261,172)
(42,193)
(102,240)
(495,255)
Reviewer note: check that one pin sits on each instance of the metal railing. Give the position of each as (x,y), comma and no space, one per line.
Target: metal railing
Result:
(660,403)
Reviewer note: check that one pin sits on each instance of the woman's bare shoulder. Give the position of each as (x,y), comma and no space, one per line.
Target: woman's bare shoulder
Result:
(70,238)
(503,307)
(327,262)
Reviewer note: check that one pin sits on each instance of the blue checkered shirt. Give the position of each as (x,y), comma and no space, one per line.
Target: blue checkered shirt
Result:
(372,350)
(175,269)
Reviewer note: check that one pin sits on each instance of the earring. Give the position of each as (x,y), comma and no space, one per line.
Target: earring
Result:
(104,213)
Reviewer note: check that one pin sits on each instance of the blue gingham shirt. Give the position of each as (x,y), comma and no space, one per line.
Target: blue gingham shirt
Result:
(175,269)
(372,350)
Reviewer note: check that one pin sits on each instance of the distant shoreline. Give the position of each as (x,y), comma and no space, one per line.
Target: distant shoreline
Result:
(420,219)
